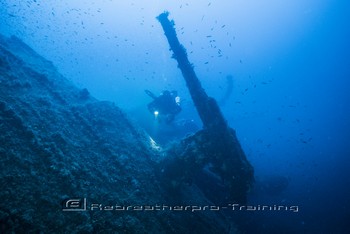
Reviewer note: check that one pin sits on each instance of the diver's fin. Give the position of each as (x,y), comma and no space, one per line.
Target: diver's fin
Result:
(149,93)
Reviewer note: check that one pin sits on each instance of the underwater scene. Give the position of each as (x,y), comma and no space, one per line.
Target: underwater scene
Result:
(155,116)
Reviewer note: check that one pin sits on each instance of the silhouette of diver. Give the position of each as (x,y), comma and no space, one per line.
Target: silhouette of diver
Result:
(166,106)
(228,92)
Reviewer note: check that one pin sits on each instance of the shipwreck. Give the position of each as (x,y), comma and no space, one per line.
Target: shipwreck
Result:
(58,142)
(213,151)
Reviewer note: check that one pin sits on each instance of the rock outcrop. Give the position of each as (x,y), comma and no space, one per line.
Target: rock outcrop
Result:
(57,142)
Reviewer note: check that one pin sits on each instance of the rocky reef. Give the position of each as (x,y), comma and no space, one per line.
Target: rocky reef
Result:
(57,143)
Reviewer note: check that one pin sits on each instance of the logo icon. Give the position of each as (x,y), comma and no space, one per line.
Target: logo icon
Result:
(76,204)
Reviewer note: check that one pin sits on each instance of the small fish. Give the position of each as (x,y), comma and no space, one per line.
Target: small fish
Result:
(223,26)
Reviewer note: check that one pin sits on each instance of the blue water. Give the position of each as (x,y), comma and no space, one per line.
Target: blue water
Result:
(290,62)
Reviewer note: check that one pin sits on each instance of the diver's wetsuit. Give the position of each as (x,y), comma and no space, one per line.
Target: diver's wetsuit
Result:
(165,105)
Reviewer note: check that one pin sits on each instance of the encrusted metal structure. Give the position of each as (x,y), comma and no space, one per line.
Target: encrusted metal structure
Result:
(215,149)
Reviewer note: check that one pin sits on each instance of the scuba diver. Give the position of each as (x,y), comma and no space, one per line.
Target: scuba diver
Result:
(166,106)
